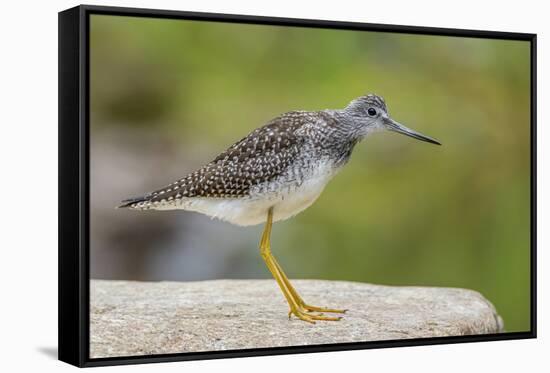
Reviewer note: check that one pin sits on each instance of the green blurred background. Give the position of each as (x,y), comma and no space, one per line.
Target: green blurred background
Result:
(168,95)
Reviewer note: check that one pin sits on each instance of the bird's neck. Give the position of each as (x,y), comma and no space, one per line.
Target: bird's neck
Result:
(342,136)
(347,127)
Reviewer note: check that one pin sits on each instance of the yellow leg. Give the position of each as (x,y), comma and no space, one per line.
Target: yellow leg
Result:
(295,302)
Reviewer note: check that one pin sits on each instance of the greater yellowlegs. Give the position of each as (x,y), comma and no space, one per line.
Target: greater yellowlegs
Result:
(274,173)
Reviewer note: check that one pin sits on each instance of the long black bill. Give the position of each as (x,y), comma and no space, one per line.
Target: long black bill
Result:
(394,126)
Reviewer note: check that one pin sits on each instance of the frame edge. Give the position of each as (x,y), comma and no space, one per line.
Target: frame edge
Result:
(70,348)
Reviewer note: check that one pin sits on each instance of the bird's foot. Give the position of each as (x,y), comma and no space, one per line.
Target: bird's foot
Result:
(322,309)
(305,313)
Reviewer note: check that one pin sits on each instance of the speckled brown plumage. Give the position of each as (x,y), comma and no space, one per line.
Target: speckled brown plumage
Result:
(257,158)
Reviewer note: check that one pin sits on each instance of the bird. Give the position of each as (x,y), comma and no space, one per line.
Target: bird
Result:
(275,172)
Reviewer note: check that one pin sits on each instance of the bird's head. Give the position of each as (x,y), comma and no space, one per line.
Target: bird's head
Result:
(370,114)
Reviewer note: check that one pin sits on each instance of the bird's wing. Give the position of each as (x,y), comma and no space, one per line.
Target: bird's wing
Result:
(257,158)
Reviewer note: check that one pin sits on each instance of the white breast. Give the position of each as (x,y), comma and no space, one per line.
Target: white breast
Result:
(287,200)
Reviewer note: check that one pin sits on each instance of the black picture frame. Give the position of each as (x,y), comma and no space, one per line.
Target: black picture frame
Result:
(74,186)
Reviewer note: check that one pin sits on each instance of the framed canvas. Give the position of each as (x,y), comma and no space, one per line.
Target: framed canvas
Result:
(233,186)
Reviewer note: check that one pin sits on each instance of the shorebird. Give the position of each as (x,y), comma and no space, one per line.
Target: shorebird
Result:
(275,172)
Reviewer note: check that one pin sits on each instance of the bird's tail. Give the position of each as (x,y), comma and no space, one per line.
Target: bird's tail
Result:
(132,202)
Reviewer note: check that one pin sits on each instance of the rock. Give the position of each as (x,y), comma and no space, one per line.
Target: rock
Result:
(142,318)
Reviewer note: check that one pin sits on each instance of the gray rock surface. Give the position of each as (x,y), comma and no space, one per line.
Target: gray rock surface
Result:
(141,318)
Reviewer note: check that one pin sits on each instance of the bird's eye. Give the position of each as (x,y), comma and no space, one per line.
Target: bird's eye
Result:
(371,111)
